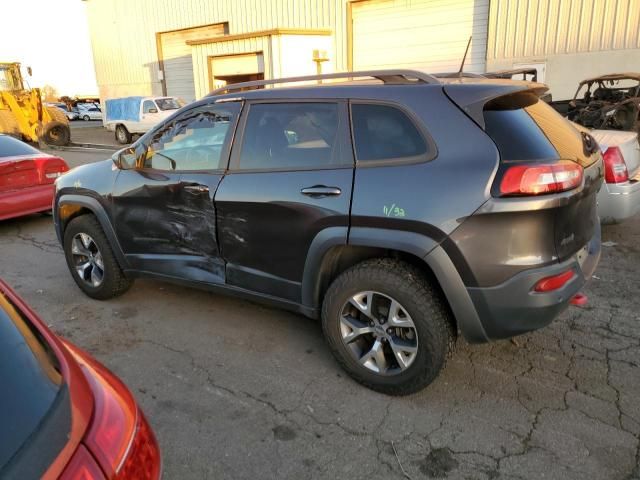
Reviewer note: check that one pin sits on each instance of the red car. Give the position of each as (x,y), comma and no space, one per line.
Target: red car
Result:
(64,415)
(26,178)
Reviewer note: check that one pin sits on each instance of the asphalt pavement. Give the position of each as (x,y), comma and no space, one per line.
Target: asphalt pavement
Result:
(236,390)
(92,133)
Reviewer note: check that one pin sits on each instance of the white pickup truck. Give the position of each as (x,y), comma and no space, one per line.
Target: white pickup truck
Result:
(136,115)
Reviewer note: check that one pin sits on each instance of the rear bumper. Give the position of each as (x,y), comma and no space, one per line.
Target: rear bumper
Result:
(619,201)
(512,308)
(25,201)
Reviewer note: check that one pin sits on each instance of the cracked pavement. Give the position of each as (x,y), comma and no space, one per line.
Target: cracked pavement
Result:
(239,390)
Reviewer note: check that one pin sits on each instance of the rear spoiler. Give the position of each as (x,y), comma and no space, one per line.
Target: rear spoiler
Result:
(472,98)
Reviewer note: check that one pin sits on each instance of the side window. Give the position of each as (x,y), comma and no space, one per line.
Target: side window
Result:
(148,105)
(291,136)
(383,132)
(196,140)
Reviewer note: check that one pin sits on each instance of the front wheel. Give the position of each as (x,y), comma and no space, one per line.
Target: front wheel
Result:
(86,118)
(56,133)
(387,326)
(123,136)
(91,261)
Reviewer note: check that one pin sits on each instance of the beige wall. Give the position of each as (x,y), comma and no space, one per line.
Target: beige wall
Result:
(123,32)
(201,54)
(296,54)
(575,38)
(284,55)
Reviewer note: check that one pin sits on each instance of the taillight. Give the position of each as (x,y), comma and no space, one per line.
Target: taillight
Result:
(615,168)
(143,460)
(554,282)
(539,179)
(114,420)
(119,437)
(82,466)
(50,168)
(53,173)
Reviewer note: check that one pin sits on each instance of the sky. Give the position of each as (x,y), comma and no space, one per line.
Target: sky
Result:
(52,37)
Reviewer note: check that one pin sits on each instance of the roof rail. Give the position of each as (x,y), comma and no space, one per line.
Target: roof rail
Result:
(392,77)
(458,75)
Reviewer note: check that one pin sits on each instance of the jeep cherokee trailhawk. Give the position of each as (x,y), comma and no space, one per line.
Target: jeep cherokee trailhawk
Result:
(399,208)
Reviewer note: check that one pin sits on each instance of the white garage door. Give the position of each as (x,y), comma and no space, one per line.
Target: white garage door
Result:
(426,35)
(176,56)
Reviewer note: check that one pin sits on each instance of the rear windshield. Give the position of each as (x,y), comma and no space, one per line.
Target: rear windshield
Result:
(167,104)
(10,147)
(30,378)
(526,128)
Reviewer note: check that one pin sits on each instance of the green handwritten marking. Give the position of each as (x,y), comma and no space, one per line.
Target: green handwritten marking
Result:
(393,211)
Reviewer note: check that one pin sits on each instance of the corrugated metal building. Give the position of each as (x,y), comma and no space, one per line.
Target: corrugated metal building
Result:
(567,40)
(187,47)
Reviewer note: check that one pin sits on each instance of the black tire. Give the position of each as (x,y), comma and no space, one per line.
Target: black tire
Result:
(114,282)
(431,318)
(86,118)
(56,133)
(123,137)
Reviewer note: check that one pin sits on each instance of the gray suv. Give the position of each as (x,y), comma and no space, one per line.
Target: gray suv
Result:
(397,207)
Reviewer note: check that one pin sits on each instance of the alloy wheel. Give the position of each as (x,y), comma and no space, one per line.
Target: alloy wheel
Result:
(379,333)
(87,259)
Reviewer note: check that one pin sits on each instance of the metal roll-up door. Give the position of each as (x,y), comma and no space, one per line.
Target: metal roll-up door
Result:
(427,35)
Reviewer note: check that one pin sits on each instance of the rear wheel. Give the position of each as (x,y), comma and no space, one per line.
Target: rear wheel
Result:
(9,124)
(56,133)
(91,261)
(123,136)
(86,118)
(387,326)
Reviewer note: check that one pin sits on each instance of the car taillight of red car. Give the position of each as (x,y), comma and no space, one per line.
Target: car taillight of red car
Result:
(615,168)
(50,167)
(119,443)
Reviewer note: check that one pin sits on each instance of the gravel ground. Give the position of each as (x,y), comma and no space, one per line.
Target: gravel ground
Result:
(238,390)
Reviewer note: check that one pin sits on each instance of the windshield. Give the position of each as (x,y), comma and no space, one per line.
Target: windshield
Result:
(167,103)
(9,80)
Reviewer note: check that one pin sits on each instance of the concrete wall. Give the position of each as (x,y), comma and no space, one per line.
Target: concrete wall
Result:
(575,38)
(563,72)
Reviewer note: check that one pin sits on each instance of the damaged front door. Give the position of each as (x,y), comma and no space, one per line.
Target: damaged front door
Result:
(163,209)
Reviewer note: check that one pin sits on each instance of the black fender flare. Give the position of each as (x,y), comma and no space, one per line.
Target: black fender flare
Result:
(421,246)
(99,212)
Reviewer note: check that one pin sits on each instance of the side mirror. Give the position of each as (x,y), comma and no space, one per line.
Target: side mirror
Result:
(153,110)
(125,159)
(29,71)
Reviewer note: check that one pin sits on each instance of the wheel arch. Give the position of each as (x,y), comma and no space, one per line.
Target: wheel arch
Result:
(70,206)
(329,256)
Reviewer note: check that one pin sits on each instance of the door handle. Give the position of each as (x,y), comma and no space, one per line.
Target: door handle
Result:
(196,188)
(321,191)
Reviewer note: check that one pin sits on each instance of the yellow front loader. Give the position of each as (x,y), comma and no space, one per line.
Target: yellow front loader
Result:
(22,113)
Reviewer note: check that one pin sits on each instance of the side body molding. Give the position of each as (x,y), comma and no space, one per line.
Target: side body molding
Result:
(98,210)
